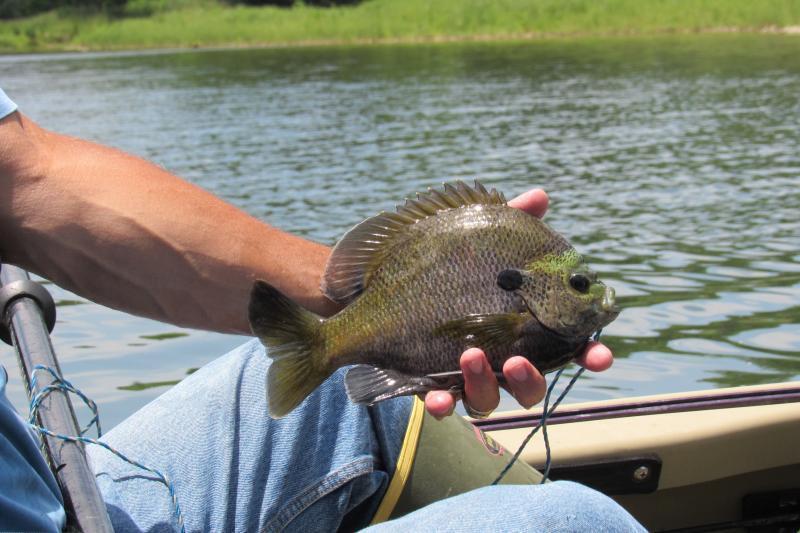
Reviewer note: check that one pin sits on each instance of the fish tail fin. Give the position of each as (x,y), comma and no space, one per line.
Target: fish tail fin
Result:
(299,365)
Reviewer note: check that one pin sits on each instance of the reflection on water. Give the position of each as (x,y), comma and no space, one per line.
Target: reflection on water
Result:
(138,386)
(164,336)
(673,164)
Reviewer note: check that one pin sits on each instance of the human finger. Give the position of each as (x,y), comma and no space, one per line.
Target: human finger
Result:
(596,357)
(439,403)
(481,392)
(527,385)
(534,202)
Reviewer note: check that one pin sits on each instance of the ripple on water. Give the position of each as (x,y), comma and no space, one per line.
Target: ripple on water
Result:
(664,283)
(701,346)
(656,319)
(737,272)
(783,338)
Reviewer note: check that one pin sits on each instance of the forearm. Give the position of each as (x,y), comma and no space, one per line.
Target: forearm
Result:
(127,234)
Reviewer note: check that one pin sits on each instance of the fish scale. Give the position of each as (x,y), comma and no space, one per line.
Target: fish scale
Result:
(393,303)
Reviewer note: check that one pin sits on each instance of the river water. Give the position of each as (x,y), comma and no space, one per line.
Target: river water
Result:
(672,163)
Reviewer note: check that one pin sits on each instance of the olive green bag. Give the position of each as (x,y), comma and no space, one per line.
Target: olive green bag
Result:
(444,458)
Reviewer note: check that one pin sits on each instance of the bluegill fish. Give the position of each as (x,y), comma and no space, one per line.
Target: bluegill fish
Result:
(451,269)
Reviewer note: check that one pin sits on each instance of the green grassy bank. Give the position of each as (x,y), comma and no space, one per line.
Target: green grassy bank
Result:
(207,23)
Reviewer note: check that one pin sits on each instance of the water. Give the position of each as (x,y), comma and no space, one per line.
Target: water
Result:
(672,163)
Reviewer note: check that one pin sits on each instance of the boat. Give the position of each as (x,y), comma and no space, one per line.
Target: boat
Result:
(716,460)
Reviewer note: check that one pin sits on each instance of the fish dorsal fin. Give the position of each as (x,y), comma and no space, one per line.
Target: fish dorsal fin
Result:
(362,249)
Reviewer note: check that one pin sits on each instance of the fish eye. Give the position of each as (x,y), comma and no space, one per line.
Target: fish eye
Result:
(509,280)
(580,283)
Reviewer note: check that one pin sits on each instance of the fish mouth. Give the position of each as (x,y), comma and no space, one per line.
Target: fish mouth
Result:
(609,302)
(609,310)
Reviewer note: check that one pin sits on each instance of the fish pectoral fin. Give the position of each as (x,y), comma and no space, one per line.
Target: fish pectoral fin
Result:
(368,384)
(485,331)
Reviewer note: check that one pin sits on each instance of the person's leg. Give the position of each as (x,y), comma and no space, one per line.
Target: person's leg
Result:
(234,468)
(553,507)
(324,466)
(29,495)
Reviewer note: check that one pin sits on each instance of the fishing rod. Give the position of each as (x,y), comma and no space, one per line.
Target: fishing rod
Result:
(27,316)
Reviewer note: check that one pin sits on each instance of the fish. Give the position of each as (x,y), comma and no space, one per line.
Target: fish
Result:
(451,269)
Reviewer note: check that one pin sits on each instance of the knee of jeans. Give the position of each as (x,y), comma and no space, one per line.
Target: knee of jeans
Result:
(553,507)
(566,499)
(579,504)
(575,492)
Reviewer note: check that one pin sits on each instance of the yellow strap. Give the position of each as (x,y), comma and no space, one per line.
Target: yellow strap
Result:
(404,463)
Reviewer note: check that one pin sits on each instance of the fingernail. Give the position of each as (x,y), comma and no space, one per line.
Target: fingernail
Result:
(476,366)
(519,373)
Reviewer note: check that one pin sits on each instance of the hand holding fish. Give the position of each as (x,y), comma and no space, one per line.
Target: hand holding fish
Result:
(526,384)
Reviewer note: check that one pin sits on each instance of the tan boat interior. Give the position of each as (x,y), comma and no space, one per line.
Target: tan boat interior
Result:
(710,459)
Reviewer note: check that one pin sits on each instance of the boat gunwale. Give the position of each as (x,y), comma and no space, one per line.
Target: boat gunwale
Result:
(643,406)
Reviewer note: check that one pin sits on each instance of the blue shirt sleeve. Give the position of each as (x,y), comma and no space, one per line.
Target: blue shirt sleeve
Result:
(6,105)
(29,496)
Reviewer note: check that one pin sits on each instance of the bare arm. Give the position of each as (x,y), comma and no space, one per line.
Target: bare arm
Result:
(128,234)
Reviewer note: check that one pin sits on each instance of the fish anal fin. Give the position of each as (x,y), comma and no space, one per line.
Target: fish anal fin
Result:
(367,385)
(362,249)
(485,331)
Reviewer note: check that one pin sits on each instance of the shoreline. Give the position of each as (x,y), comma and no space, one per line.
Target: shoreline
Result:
(194,24)
(412,40)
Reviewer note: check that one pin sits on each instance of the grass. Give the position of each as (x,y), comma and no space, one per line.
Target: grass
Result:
(206,23)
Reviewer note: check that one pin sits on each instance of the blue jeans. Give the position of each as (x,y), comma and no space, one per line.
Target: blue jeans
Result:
(29,495)
(323,467)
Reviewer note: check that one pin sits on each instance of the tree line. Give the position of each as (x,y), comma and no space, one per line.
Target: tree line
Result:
(23,8)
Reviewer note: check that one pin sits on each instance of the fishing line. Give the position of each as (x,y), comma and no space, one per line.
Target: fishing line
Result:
(546,413)
(544,422)
(59,383)
(542,425)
